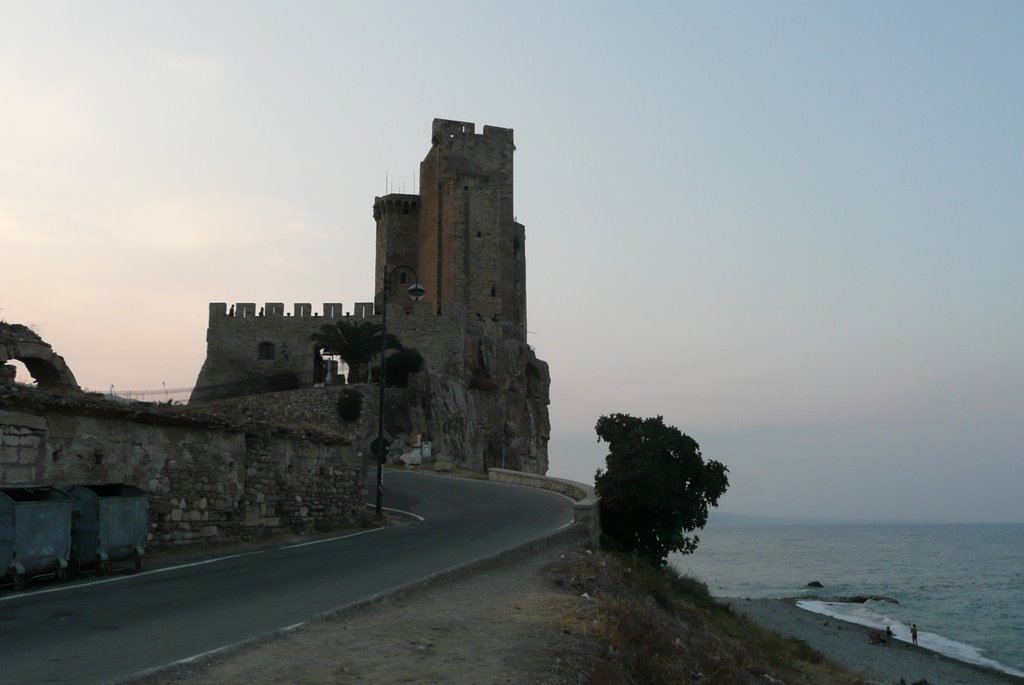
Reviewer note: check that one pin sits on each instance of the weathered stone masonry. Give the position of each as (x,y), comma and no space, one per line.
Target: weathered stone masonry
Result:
(46,366)
(206,478)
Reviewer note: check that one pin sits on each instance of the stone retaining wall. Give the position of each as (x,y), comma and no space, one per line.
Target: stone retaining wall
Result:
(206,480)
(586,509)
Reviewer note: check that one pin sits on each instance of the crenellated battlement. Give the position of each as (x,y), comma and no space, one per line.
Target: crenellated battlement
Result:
(449,128)
(396,204)
(464,132)
(301,310)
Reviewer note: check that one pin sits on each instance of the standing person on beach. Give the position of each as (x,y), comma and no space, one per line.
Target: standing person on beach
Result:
(913,633)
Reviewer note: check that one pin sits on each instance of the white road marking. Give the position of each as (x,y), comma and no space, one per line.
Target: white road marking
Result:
(193,564)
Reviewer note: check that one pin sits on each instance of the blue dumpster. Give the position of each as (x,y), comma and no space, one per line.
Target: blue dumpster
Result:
(109,523)
(35,532)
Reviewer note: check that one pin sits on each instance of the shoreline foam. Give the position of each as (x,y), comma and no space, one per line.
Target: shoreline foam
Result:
(932,642)
(846,643)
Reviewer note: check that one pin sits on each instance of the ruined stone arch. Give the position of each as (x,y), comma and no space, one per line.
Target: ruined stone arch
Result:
(46,367)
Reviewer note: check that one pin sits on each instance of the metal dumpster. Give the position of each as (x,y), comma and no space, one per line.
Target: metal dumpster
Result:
(109,523)
(35,532)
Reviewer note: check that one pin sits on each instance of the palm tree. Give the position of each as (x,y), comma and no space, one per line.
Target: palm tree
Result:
(356,343)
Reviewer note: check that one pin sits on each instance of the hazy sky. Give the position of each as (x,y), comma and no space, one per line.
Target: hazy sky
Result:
(793,229)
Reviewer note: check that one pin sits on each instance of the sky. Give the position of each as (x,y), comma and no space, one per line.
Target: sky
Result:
(791,228)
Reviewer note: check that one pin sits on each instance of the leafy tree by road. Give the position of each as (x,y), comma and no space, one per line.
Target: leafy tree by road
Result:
(656,489)
(356,343)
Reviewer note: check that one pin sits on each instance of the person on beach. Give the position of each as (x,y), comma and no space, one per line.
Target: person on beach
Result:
(888,632)
(913,634)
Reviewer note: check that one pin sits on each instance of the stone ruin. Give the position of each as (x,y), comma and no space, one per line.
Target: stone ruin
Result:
(46,367)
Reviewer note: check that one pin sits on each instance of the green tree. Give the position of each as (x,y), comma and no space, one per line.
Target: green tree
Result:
(400,364)
(656,489)
(356,343)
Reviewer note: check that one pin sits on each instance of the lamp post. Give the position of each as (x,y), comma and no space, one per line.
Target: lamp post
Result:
(416,292)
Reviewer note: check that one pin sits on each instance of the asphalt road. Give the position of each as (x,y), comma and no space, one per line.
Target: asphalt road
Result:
(91,632)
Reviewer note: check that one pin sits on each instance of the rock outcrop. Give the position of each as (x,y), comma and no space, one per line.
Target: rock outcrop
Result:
(499,418)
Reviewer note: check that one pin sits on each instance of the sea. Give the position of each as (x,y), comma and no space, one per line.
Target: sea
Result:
(963,585)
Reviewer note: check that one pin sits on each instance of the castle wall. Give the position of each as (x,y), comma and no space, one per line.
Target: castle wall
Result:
(205,481)
(237,359)
(504,423)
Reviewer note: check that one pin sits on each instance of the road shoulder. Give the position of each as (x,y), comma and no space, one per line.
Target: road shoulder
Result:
(505,623)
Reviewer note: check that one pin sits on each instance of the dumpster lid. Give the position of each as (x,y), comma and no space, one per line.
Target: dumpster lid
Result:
(109,489)
(33,493)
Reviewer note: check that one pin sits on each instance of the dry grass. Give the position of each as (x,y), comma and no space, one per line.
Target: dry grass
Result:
(648,625)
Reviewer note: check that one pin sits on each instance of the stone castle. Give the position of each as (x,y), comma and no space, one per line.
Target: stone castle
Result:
(239,462)
(484,394)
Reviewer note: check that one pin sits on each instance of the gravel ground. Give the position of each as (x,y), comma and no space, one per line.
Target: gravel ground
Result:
(847,644)
(506,625)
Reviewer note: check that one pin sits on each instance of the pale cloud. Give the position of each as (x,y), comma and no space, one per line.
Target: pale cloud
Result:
(16,232)
(212,222)
(194,69)
(38,116)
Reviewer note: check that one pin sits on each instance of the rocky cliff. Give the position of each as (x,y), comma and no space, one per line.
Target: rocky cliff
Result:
(498,419)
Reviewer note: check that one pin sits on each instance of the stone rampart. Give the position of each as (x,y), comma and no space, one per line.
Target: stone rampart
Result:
(317,409)
(207,478)
(246,349)
(471,428)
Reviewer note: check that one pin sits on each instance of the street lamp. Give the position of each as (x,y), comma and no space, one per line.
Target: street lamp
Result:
(416,292)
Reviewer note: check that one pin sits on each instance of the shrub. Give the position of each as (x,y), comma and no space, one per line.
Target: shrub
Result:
(400,364)
(350,404)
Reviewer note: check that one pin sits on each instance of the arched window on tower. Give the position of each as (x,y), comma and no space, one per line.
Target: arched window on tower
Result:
(265,350)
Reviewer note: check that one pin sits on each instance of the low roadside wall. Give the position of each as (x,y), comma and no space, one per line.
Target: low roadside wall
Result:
(207,479)
(586,509)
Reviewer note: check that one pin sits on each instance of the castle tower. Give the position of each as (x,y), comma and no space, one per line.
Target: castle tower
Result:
(398,223)
(471,250)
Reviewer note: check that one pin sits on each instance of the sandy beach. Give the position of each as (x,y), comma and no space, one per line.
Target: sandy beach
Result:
(847,644)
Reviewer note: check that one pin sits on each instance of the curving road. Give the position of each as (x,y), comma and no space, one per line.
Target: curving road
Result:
(94,632)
